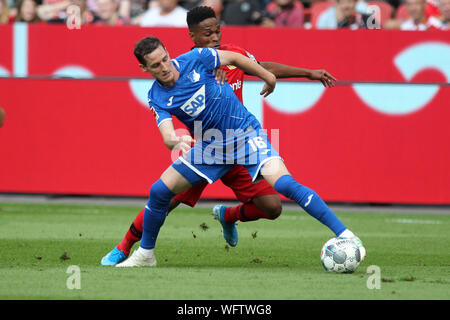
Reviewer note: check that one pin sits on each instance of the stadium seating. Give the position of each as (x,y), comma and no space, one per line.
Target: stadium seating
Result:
(272,5)
(402,12)
(385,9)
(317,8)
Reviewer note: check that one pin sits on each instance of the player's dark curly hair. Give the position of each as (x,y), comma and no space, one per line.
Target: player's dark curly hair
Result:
(146,46)
(198,14)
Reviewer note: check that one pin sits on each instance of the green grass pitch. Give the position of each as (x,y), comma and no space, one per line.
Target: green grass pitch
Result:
(273,260)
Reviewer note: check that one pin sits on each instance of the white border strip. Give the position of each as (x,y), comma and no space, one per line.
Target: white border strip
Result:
(190,166)
(164,120)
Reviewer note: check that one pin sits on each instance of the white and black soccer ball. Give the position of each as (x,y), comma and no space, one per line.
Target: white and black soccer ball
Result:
(340,255)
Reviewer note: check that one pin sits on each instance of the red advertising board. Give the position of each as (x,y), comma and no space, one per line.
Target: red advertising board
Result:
(381,135)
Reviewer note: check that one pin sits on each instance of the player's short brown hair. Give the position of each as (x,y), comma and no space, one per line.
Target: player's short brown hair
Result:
(146,46)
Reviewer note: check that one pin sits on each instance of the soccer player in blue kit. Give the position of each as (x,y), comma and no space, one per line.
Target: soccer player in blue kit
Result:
(227,134)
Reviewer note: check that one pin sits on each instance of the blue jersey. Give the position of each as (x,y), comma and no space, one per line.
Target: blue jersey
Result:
(196,96)
(197,100)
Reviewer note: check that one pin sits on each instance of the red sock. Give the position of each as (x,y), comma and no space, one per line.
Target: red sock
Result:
(133,235)
(244,212)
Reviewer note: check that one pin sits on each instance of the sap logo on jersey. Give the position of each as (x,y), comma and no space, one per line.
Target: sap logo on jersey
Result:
(196,103)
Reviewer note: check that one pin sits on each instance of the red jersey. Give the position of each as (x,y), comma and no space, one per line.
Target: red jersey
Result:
(235,76)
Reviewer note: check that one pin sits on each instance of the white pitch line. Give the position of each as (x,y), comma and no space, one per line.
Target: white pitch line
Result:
(414,221)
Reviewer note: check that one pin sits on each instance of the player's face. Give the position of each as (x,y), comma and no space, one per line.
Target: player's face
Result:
(160,66)
(206,34)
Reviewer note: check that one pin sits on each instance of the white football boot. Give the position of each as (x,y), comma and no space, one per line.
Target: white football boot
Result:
(137,259)
(347,234)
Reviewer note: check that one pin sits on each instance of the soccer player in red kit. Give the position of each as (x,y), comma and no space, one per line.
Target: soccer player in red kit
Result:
(259,200)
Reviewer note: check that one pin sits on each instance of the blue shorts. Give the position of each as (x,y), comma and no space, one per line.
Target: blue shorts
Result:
(210,160)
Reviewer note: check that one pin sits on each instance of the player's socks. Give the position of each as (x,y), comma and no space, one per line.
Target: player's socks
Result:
(155,213)
(148,253)
(244,212)
(310,202)
(133,235)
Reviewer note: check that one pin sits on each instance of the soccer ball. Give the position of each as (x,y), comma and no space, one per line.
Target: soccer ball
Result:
(340,255)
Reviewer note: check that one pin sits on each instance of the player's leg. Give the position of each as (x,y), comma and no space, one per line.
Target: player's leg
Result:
(120,252)
(259,200)
(260,207)
(278,176)
(133,235)
(248,211)
(189,197)
(161,192)
(270,204)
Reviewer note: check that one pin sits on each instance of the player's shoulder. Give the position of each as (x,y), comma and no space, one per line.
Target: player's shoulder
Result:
(151,94)
(156,93)
(235,48)
(196,52)
(194,57)
(232,47)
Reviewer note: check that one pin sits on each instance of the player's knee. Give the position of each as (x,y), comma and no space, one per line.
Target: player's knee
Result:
(173,204)
(160,196)
(273,210)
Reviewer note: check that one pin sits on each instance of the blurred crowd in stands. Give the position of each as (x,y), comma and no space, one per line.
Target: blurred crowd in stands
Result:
(308,14)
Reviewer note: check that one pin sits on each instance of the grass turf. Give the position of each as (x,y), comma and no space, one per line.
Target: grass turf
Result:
(273,260)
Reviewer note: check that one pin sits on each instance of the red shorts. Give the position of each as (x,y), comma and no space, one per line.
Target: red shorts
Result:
(238,180)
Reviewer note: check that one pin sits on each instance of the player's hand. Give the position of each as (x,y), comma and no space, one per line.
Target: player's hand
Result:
(183,147)
(323,76)
(221,76)
(184,144)
(187,139)
(269,86)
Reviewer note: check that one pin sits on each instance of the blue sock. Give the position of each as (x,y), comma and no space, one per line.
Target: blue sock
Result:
(155,213)
(310,202)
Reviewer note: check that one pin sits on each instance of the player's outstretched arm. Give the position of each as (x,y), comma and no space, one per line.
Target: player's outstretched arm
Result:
(172,141)
(250,67)
(284,71)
